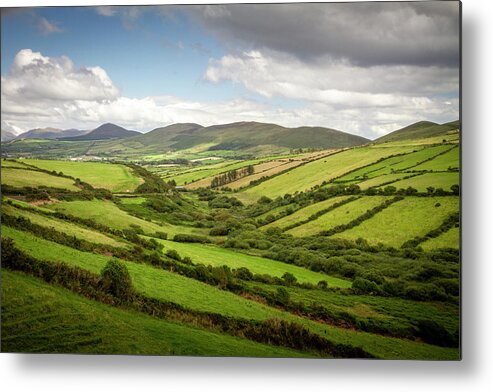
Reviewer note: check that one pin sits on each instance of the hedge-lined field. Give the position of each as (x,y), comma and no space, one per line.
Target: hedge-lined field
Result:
(404,220)
(435,180)
(115,177)
(340,216)
(21,178)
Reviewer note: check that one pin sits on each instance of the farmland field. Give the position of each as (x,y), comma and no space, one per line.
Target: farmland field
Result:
(22,178)
(423,181)
(449,239)
(403,220)
(117,178)
(442,162)
(339,216)
(314,173)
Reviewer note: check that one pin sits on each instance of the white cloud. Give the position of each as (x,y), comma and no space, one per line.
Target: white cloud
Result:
(41,91)
(46,27)
(106,10)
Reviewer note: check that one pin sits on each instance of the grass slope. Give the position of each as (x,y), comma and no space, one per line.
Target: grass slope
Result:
(442,162)
(38,317)
(107,213)
(449,239)
(313,173)
(63,226)
(421,129)
(404,220)
(213,255)
(196,295)
(306,212)
(115,177)
(21,178)
(339,216)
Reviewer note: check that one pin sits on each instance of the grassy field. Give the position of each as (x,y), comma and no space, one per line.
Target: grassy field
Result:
(8,163)
(107,213)
(339,216)
(245,181)
(442,162)
(63,226)
(413,216)
(38,317)
(196,295)
(449,239)
(423,181)
(395,163)
(383,179)
(115,177)
(315,172)
(215,256)
(21,178)
(306,212)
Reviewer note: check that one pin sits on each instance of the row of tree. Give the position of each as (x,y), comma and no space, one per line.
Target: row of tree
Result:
(231,176)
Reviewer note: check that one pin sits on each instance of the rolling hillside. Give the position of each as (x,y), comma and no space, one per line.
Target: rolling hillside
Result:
(50,133)
(421,129)
(103,132)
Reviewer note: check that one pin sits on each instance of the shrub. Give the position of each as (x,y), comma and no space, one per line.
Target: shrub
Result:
(364,286)
(116,280)
(432,332)
(289,278)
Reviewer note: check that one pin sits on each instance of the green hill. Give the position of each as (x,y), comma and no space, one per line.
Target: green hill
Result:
(421,129)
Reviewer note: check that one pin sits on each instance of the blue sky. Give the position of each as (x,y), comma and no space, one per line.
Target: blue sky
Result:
(291,64)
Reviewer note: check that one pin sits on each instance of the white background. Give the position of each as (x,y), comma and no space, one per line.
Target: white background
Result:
(473,373)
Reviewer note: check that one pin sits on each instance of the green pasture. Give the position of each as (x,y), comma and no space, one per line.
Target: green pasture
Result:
(395,163)
(442,180)
(315,172)
(21,178)
(63,226)
(442,162)
(304,213)
(192,294)
(42,318)
(404,220)
(339,216)
(115,177)
(449,239)
(215,256)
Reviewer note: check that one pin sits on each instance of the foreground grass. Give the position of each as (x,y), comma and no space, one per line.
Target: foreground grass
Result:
(38,317)
(115,177)
(404,220)
(21,178)
(192,294)
(215,256)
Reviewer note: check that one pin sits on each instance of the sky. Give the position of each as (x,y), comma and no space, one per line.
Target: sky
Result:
(363,68)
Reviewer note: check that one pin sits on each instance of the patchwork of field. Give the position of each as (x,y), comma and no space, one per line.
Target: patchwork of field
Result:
(444,162)
(314,173)
(403,220)
(21,178)
(339,216)
(212,255)
(163,285)
(396,163)
(384,180)
(306,212)
(63,226)
(108,214)
(423,181)
(115,177)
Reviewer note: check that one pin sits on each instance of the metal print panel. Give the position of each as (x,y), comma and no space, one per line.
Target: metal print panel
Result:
(262,180)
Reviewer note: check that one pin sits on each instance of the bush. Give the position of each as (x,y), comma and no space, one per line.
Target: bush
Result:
(432,332)
(190,238)
(364,286)
(117,280)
